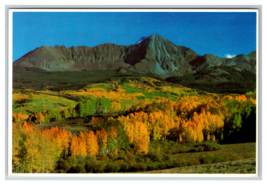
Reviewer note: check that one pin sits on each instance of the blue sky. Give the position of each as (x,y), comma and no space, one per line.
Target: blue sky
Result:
(218,33)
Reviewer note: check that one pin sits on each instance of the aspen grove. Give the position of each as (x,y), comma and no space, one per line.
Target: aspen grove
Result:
(189,119)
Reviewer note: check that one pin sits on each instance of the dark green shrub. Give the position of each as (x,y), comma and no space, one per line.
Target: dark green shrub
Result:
(151,167)
(140,159)
(162,166)
(157,164)
(201,149)
(91,164)
(209,148)
(167,157)
(62,171)
(217,159)
(141,167)
(73,170)
(122,157)
(179,162)
(132,167)
(193,162)
(170,164)
(154,155)
(73,161)
(124,167)
(206,159)
(206,146)
(77,169)
(64,165)
(100,168)
(130,156)
(112,167)
(102,157)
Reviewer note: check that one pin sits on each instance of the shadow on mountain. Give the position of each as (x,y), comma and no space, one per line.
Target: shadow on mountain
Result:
(136,53)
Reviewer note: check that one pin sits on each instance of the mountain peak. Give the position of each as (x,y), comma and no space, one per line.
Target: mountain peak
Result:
(155,36)
(154,54)
(141,40)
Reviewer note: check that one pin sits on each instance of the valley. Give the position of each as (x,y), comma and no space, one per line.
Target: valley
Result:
(138,108)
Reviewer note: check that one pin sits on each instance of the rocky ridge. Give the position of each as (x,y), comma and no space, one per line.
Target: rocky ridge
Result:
(155,55)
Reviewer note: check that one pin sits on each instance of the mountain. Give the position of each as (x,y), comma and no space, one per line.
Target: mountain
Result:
(150,55)
(140,40)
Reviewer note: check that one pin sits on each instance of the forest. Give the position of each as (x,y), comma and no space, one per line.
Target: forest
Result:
(129,124)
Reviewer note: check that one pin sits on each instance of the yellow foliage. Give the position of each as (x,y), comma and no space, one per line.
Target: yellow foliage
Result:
(115,106)
(19,117)
(213,137)
(208,137)
(19,97)
(118,95)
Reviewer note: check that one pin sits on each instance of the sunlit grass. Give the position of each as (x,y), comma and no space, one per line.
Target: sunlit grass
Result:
(42,102)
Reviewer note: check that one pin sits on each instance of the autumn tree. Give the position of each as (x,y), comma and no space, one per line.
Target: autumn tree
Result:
(17,117)
(112,143)
(33,153)
(74,147)
(92,144)
(39,117)
(102,138)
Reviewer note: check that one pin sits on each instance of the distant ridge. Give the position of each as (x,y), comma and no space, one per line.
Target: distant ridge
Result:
(154,55)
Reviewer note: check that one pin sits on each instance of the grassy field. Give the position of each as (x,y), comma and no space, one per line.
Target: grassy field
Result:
(73,125)
(245,166)
(67,80)
(230,158)
(227,151)
(42,102)
(237,82)
(128,91)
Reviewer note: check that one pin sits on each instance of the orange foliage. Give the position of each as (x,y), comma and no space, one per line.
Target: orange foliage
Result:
(74,147)
(241,97)
(92,144)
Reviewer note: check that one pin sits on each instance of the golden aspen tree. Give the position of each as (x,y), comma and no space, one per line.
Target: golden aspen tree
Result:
(92,144)
(82,148)
(213,137)
(208,137)
(31,144)
(142,140)
(39,117)
(82,134)
(180,138)
(64,135)
(16,138)
(45,152)
(74,147)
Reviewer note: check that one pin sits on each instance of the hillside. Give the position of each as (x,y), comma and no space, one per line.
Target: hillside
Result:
(153,55)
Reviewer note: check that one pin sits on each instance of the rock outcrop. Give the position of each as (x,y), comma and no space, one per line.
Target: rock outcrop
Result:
(155,55)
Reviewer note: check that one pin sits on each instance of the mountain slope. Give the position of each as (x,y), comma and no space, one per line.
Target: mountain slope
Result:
(150,55)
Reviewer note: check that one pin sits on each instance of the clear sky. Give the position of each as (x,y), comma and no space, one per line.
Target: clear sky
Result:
(218,33)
